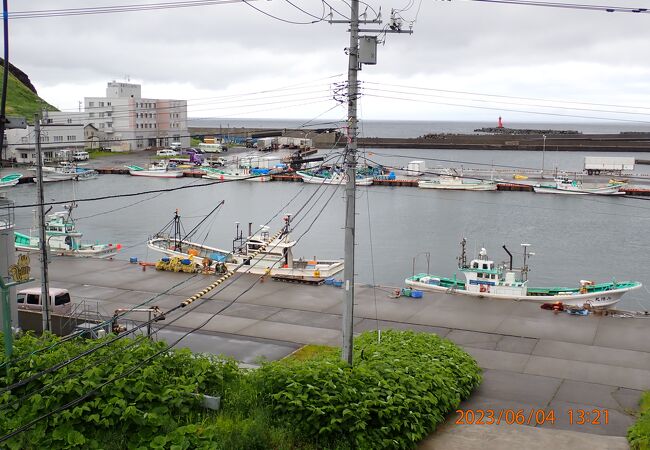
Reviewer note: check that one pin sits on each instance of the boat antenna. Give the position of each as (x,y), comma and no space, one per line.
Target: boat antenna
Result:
(177,231)
(509,254)
(525,269)
(462,259)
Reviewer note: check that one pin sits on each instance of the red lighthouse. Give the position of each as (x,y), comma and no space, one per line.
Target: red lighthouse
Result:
(500,123)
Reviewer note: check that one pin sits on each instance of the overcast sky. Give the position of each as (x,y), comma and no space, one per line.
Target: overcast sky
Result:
(204,54)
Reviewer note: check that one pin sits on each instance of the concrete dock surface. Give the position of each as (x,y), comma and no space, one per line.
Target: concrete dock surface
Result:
(532,359)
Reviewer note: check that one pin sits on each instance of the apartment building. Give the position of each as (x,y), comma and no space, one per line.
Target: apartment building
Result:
(131,122)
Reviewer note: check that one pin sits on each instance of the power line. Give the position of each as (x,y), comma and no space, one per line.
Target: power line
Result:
(34,14)
(577,6)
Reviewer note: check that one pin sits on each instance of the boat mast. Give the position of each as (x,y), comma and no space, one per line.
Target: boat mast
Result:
(462,259)
(177,231)
(525,269)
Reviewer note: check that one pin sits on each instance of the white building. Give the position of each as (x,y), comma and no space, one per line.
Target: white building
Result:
(131,122)
(54,138)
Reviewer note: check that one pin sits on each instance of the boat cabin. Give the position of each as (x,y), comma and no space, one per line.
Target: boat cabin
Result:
(483,275)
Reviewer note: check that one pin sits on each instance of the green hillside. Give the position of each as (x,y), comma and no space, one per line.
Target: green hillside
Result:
(21,101)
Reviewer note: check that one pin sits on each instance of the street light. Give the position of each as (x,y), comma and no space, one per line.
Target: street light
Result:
(543,153)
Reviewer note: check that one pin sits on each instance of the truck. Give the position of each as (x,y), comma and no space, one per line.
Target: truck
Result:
(616,165)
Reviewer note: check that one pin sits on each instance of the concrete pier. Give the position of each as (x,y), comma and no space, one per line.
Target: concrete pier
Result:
(532,358)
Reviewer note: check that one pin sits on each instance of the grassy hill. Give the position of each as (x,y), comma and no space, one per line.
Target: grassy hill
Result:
(21,101)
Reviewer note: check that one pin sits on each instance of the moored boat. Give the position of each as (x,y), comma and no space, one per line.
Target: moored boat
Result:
(574,187)
(161,169)
(331,177)
(457,183)
(64,239)
(10,180)
(484,278)
(236,173)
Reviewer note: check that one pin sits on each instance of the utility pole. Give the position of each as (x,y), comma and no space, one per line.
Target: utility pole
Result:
(350,185)
(45,291)
(354,66)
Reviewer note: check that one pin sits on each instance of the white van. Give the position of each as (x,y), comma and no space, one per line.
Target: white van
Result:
(80,156)
(175,145)
(60,302)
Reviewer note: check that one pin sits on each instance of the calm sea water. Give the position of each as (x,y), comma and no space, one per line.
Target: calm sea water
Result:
(412,129)
(573,237)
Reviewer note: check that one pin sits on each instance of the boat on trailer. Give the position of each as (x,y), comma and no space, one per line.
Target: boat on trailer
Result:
(275,259)
(484,278)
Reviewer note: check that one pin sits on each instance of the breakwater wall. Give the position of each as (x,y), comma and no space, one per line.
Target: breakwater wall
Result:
(622,142)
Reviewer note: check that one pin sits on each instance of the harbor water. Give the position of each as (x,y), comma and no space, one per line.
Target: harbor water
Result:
(400,230)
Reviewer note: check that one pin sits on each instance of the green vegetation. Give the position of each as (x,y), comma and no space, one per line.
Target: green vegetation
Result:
(21,101)
(194,142)
(639,434)
(398,391)
(93,153)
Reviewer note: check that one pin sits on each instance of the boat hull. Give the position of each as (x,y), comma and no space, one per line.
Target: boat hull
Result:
(600,300)
(458,187)
(340,179)
(224,176)
(156,173)
(100,252)
(554,190)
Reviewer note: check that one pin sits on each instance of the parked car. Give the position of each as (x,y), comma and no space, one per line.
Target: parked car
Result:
(175,145)
(167,152)
(59,301)
(80,156)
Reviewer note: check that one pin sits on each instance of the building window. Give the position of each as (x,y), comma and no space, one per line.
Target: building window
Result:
(91,115)
(23,156)
(101,104)
(101,114)
(108,103)
(58,138)
(109,113)
(109,124)
(72,138)
(69,121)
(101,125)
(47,138)
(91,104)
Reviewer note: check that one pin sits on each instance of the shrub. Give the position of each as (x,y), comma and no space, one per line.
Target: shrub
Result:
(396,393)
(639,434)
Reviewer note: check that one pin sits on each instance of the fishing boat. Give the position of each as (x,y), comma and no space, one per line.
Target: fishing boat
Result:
(66,171)
(326,176)
(160,169)
(574,187)
(454,182)
(275,258)
(236,173)
(63,238)
(10,180)
(484,278)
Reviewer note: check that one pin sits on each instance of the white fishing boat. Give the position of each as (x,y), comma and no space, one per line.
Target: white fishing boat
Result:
(10,180)
(63,238)
(454,182)
(276,258)
(331,177)
(484,278)
(66,171)
(161,169)
(574,187)
(236,173)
